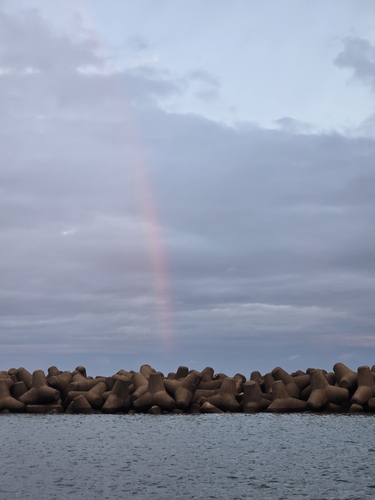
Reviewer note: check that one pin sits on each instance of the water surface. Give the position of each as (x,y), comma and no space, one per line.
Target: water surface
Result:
(230,456)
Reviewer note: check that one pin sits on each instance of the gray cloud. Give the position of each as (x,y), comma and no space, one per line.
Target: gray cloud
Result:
(204,85)
(358,55)
(106,200)
(138,42)
(294,126)
(27,43)
(205,77)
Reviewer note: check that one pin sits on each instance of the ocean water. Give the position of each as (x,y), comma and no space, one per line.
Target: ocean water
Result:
(229,456)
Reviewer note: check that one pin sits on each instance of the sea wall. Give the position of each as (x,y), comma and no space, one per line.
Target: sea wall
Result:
(188,391)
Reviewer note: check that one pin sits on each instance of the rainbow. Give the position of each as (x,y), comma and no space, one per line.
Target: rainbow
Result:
(144,195)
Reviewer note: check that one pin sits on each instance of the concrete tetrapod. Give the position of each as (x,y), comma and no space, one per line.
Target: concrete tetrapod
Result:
(81,405)
(366,386)
(207,374)
(124,373)
(156,395)
(225,399)
(345,377)
(333,408)
(323,393)
(257,377)
(9,380)
(94,395)
(76,377)
(18,389)
(340,391)
(81,370)
(44,408)
(194,408)
(302,381)
(140,384)
(52,371)
(331,378)
(24,376)
(240,380)
(154,410)
(119,399)
(204,393)
(279,374)
(12,379)
(210,385)
(183,390)
(146,371)
(72,395)
(7,402)
(253,401)
(371,405)
(182,372)
(354,408)
(85,384)
(305,393)
(40,392)
(283,402)
(209,408)
(110,381)
(268,381)
(61,382)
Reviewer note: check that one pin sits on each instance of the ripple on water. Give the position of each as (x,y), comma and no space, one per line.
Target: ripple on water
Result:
(304,456)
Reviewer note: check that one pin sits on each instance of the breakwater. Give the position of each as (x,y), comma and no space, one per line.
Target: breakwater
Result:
(188,391)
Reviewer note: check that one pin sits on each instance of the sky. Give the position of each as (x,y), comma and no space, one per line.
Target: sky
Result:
(187,183)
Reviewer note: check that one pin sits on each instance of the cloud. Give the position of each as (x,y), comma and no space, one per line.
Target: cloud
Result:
(347,355)
(202,83)
(205,77)
(26,42)
(294,357)
(138,42)
(264,237)
(358,55)
(207,95)
(294,126)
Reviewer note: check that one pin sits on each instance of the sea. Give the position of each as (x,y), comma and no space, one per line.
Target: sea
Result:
(226,456)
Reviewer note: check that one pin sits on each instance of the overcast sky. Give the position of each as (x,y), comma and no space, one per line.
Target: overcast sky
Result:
(187,183)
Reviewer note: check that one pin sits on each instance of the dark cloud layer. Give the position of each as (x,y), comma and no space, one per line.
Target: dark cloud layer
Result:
(264,237)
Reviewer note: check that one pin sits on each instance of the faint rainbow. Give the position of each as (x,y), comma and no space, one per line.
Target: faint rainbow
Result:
(146,202)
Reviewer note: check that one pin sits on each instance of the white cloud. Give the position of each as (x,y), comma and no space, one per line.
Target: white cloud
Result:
(30,71)
(294,357)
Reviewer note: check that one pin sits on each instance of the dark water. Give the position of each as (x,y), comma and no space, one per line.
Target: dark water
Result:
(187,456)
